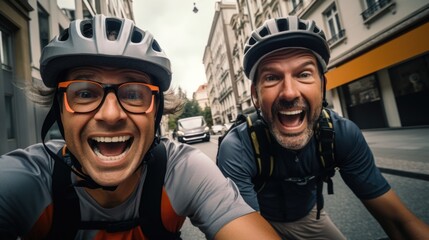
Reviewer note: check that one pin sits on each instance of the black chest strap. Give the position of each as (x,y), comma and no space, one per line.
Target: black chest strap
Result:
(66,215)
(150,207)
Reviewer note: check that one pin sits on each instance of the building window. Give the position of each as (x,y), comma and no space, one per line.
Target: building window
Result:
(6,88)
(5,55)
(336,31)
(296,6)
(374,7)
(10,128)
(43,26)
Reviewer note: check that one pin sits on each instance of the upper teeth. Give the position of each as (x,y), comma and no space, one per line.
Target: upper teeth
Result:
(111,139)
(291,112)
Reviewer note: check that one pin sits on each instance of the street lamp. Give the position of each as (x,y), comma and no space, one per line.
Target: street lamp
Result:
(195,10)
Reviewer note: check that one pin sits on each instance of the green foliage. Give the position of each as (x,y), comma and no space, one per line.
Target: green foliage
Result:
(190,109)
(207,113)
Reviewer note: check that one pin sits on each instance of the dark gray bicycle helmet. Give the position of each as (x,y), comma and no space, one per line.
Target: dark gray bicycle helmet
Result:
(105,41)
(288,32)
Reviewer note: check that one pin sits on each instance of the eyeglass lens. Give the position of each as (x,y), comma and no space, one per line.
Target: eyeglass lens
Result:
(86,96)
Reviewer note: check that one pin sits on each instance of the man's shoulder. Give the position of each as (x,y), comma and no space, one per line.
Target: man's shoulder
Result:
(237,133)
(342,124)
(348,135)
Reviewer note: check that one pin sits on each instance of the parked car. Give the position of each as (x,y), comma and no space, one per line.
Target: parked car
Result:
(228,126)
(192,129)
(218,129)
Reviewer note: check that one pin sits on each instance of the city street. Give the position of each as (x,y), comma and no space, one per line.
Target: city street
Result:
(403,157)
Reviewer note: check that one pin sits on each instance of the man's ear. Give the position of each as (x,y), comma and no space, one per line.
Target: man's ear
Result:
(254,93)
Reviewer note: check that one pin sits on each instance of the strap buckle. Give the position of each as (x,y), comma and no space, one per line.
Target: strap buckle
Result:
(299,181)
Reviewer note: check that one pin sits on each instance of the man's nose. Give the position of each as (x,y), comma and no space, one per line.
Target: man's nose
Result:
(110,111)
(289,88)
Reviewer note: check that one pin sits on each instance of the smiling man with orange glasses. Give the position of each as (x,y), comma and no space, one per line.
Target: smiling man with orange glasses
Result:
(113,177)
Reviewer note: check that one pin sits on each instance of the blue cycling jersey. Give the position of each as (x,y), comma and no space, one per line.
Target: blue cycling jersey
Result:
(286,201)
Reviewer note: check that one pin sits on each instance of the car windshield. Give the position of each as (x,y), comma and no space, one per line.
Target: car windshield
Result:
(191,123)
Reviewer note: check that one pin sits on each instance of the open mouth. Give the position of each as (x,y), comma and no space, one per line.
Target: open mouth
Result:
(110,148)
(291,118)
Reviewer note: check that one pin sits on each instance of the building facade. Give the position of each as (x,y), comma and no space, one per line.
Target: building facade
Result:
(26,26)
(201,96)
(221,83)
(378,75)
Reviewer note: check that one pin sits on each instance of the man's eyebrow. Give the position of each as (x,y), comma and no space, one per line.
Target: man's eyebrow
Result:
(306,63)
(301,65)
(136,78)
(83,76)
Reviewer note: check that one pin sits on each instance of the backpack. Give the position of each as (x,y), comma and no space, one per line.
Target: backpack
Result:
(260,139)
(66,215)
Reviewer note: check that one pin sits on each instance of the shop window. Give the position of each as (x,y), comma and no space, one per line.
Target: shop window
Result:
(410,84)
(410,77)
(363,103)
(362,91)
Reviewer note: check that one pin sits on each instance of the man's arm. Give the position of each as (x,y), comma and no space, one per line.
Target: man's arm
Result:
(397,221)
(247,227)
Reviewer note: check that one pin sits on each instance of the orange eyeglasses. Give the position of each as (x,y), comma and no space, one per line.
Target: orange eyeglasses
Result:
(84,96)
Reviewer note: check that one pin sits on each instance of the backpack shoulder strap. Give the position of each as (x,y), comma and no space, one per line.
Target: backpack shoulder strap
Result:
(66,213)
(150,206)
(241,118)
(261,144)
(325,136)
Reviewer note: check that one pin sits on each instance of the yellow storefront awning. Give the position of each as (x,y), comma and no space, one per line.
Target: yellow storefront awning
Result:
(408,45)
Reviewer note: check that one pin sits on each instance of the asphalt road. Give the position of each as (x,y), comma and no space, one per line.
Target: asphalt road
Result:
(404,151)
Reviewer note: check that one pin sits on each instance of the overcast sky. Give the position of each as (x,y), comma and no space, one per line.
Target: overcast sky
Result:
(182,33)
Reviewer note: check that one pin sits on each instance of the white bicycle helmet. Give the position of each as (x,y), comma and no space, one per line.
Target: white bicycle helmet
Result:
(288,32)
(105,41)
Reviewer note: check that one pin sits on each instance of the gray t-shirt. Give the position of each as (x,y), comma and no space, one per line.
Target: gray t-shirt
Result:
(195,186)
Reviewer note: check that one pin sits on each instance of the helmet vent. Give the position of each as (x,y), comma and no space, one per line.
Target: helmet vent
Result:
(264,32)
(283,24)
(64,35)
(86,29)
(137,36)
(155,46)
(316,30)
(113,26)
(302,25)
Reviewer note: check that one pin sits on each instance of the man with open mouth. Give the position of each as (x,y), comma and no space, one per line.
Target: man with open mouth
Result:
(112,177)
(281,156)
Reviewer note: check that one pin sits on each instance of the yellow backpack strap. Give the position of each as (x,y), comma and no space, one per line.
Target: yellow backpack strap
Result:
(261,142)
(325,136)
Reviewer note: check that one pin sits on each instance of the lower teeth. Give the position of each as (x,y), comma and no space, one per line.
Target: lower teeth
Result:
(110,158)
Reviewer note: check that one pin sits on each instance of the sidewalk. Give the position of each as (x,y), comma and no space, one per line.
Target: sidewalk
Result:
(405,149)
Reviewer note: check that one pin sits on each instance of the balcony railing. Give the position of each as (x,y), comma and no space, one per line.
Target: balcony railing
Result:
(297,8)
(375,8)
(340,35)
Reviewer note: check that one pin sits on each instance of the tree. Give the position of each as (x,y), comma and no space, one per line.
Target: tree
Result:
(191,109)
(207,113)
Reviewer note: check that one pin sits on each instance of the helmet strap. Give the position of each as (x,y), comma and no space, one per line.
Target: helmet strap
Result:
(71,162)
(324,102)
